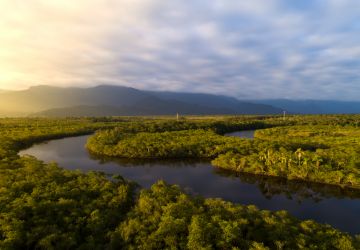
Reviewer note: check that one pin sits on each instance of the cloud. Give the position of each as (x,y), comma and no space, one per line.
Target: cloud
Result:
(247,49)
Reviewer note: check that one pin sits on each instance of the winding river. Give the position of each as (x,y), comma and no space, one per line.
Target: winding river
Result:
(326,204)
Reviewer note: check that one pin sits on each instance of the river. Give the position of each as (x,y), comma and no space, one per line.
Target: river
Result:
(326,204)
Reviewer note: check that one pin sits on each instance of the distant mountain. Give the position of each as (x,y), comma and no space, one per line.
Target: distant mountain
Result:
(146,106)
(314,106)
(107,100)
(231,104)
(40,98)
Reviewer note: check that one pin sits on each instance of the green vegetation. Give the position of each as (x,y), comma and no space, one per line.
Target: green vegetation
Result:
(178,144)
(194,138)
(173,139)
(318,153)
(45,207)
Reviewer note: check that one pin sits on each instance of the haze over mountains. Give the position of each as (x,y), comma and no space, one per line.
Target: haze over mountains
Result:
(106,100)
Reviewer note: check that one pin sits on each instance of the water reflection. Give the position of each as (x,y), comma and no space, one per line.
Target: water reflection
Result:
(126,162)
(269,186)
(293,189)
(248,134)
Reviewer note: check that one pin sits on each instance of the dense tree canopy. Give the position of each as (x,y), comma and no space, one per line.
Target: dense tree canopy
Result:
(166,218)
(45,207)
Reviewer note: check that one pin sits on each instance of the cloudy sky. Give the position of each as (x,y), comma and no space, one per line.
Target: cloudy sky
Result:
(306,49)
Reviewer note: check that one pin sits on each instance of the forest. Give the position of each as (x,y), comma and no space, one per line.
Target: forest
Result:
(43,206)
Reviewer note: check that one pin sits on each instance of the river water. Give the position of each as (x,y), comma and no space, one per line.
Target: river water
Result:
(326,204)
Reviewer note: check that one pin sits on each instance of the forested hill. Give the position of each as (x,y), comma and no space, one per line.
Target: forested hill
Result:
(107,100)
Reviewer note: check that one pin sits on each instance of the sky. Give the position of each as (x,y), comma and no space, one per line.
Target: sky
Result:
(300,49)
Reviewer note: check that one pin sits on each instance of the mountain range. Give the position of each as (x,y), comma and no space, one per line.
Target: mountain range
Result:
(314,106)
(108,100)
